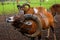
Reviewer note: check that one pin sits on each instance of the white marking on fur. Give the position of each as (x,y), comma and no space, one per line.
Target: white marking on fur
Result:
(28,23)
(45,18)
(11,19)
(35,10)
(21,12)
(45,9)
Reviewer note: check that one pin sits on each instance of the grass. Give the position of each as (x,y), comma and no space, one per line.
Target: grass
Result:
(11,8)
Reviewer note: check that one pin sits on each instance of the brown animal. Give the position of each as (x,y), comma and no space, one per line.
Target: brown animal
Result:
(32,20)
(55,9)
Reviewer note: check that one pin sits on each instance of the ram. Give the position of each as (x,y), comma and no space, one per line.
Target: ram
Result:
(32,20)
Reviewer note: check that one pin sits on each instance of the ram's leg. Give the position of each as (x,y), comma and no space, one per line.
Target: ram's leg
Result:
(32,38)
(55,19)
(48,34)
(52,28)
(39,36)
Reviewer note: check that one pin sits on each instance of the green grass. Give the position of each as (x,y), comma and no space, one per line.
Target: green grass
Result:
(11,8)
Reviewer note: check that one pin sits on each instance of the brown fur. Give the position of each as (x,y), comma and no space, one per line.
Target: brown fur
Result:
(55,9)
(32,28)
(45,12)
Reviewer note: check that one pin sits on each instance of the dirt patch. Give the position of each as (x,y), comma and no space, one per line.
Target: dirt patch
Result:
(7,31)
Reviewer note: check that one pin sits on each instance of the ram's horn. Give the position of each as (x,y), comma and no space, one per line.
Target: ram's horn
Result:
(37,20)
(26,5)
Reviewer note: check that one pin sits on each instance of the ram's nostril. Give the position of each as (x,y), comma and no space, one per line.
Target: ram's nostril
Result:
(9,18)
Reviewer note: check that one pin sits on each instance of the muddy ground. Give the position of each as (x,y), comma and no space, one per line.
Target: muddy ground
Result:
(7,31)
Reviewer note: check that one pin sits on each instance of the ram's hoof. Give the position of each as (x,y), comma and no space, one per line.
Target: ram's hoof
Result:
(47,38)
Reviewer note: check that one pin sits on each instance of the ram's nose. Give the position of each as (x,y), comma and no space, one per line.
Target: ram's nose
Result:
(9,20)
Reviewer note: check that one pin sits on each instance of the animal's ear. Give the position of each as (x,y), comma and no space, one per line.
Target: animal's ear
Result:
(18,6)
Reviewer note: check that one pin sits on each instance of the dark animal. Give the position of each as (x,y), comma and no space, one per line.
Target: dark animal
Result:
(55,9)
(31,21)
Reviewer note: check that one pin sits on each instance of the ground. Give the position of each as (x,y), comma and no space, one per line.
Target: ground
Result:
(7,31)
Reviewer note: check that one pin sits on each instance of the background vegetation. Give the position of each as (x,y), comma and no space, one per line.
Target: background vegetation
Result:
(9,7)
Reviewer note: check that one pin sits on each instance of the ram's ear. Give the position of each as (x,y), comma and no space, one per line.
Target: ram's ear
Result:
(18,6)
